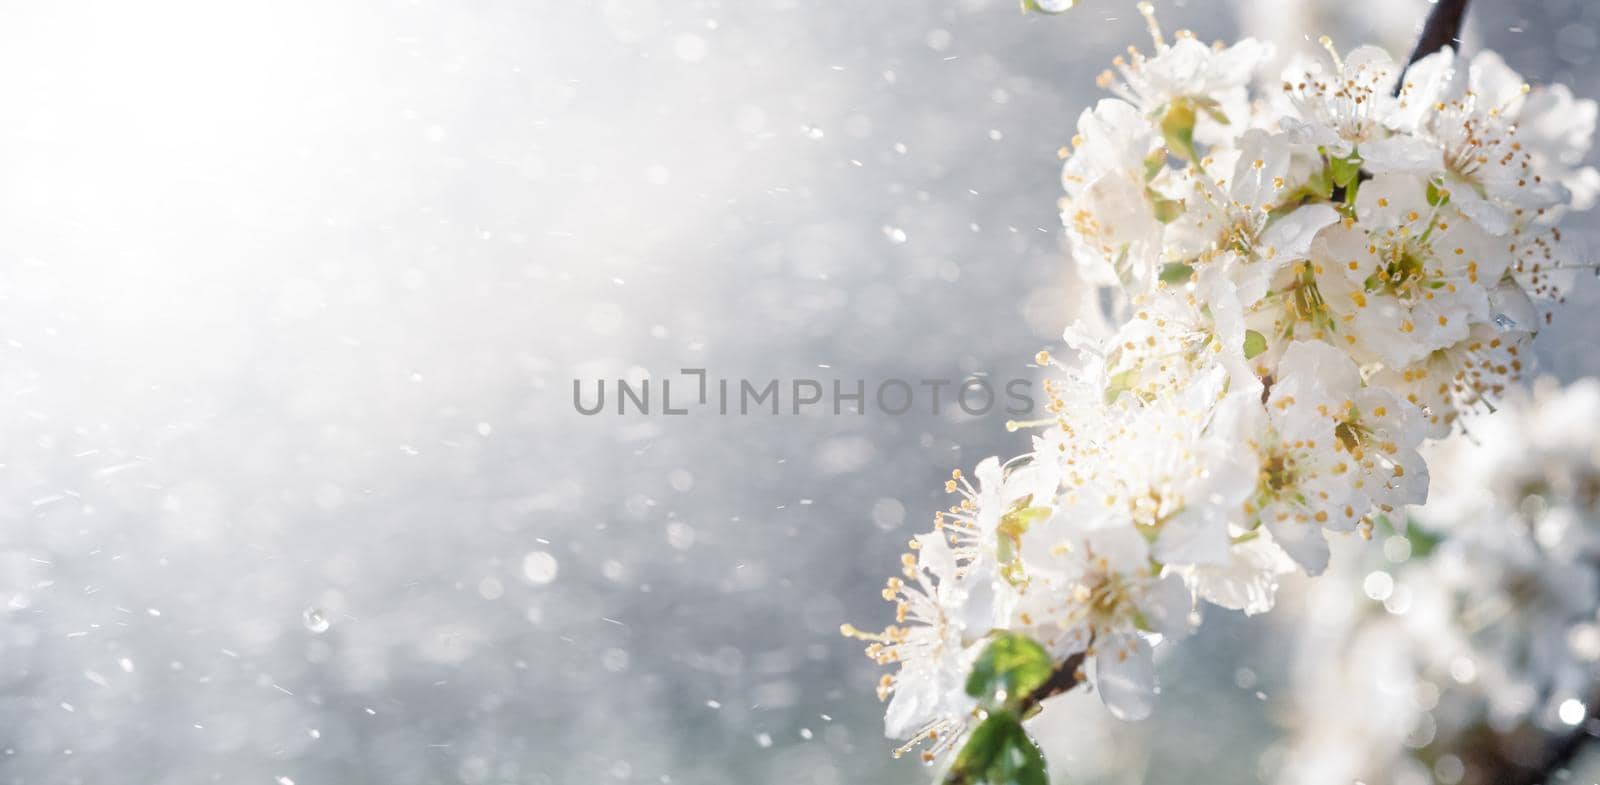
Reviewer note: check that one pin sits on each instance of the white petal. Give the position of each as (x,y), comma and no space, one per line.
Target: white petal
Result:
(1494,82)
(1373,57)
(1427,82)
(1304,542)
(1125,675)
(1488,216)
(1086,338)
(1120,544)
(1166,606)
(1389,199)
(1249,583)
(1511,308)
(1310,135)
(988,471)
(1583,187)
(1238,63)
(1401,155)
(1290,236)
(934,556)
(1314,365)
(1193,537)
(1263,162)
(913,704)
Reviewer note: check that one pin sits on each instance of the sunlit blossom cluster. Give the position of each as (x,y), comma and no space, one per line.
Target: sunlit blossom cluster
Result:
(1312,275)
(1470,640)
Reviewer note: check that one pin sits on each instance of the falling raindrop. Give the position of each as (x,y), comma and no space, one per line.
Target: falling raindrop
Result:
(315,620)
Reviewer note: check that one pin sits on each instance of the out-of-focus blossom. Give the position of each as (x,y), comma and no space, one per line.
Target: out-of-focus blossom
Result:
(1475,634)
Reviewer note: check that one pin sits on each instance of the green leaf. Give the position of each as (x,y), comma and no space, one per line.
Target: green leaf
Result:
(1422,541)
(1120,383)
(1321,185)
(1254,344)
(1011,668)
(982,747)
(999,752)
(1177,129)
(1015,522)
(1213,110)
(1176,272)
(1437,195)
(1154,163)
(1166,210)
(1346,170)
(1033,5)
(1018,761)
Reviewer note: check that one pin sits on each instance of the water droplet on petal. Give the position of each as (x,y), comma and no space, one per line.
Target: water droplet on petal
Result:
(1504,323)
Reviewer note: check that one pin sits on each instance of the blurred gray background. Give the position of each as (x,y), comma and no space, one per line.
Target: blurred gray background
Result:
(292,297)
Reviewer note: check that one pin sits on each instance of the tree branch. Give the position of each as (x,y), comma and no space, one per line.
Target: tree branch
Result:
(1558,759)
(1065,677)
(1442,29)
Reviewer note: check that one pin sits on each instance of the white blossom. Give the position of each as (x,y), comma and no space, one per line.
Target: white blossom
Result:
(1509,152)
(1187,73)
(1308,285)
(1343,110)
(1092,587)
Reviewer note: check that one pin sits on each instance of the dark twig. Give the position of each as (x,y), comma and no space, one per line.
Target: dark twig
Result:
(1561,758)
(1558,759)
(1442,29)
(1065,677)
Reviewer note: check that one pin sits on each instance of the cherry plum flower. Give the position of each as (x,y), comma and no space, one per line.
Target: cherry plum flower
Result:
(1309,287)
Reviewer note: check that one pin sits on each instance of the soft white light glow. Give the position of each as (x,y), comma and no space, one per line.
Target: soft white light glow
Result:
(1572,711)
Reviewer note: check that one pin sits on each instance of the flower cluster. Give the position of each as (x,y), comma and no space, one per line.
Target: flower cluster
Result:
(1309,282)
(1476,649)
